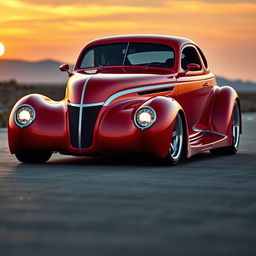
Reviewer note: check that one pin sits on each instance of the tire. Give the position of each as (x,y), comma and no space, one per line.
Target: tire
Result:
(236,130)
(177,142)
(33,157)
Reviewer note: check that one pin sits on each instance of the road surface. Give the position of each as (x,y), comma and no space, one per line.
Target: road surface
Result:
(101,206)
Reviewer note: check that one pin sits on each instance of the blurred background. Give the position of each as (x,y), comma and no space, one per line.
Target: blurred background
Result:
(36,36)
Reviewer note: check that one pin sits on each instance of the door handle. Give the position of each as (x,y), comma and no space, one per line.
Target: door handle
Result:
(206,84)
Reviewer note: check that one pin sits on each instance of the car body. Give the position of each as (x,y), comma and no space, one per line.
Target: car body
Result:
(147,94)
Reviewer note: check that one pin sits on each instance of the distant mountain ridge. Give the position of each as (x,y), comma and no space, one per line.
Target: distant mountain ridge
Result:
(238,85)
(47,72)
(26,72)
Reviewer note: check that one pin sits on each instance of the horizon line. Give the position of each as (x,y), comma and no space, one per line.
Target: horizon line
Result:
(61,62)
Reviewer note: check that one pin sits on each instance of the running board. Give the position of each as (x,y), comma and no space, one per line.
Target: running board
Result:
(206,140)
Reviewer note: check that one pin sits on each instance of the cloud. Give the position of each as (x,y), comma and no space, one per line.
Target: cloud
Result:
(21,11)
(124,2)
(36,29)
(175,17)
(97,2)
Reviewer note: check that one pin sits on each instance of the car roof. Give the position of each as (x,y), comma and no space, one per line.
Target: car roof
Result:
(161,39)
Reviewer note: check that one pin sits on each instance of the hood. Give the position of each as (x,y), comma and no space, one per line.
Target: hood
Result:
(99,87)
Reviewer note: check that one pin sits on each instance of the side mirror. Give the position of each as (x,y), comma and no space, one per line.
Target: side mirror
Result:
(65,68)
(193,67)
(190,67)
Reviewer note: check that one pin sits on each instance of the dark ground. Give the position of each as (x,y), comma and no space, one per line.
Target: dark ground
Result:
(99,206)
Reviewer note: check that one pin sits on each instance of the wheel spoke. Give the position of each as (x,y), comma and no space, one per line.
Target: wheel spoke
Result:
(176,139)
(172,148)
(175,143)
(236,126)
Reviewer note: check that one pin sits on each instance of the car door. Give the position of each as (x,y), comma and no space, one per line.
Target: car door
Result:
(194,87)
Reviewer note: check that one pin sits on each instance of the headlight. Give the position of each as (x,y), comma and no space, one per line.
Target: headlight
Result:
(24,116)
(144,117)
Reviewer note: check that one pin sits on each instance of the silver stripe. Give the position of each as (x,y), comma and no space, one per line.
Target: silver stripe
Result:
(81,116)
(118,94)
(85,105)
(138,89)
(218,133)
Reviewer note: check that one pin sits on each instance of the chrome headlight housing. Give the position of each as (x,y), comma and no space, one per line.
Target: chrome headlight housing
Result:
(24,116)
(145,117)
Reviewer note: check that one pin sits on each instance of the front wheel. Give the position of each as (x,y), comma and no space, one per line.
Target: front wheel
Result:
(236,131)
(33,157)
(177,143)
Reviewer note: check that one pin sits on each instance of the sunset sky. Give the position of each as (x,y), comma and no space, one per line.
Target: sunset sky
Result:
(50,29)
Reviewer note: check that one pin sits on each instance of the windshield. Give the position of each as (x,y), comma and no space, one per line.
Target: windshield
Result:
(128,54)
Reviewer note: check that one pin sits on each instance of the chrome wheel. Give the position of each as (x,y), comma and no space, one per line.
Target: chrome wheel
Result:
(236,131)
(236,126)
(176,145)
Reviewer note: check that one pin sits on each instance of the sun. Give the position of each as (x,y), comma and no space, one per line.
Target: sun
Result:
(2,49)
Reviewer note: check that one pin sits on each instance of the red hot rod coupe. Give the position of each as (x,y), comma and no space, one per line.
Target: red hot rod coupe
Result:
(137,93)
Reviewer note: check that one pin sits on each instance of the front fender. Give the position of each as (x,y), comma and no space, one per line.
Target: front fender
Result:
(117,131)
(48,131)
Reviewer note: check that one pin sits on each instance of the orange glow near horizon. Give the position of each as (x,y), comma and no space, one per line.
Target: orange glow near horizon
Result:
(47,29)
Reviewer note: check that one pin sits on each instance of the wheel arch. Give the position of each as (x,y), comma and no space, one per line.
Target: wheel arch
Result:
(222,109)
(240,111)
(185,153)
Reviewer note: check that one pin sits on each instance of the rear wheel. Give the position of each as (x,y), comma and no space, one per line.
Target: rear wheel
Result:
(177,143)
(236,130)
(33,156)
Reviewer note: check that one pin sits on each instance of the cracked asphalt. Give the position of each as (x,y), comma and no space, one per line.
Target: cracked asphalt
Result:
(130,206)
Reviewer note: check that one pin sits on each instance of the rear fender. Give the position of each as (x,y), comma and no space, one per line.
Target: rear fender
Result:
(222,109)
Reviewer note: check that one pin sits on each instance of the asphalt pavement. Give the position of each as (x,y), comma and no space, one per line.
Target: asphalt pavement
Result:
(130,206)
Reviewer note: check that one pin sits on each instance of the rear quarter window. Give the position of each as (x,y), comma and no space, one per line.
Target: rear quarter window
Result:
(203,57)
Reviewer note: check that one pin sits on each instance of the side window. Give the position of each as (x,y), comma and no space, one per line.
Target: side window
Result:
(203,57)
(189,55)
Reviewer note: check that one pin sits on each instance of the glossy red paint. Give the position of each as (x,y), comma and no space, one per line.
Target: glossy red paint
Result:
(49,130)
(119,91)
